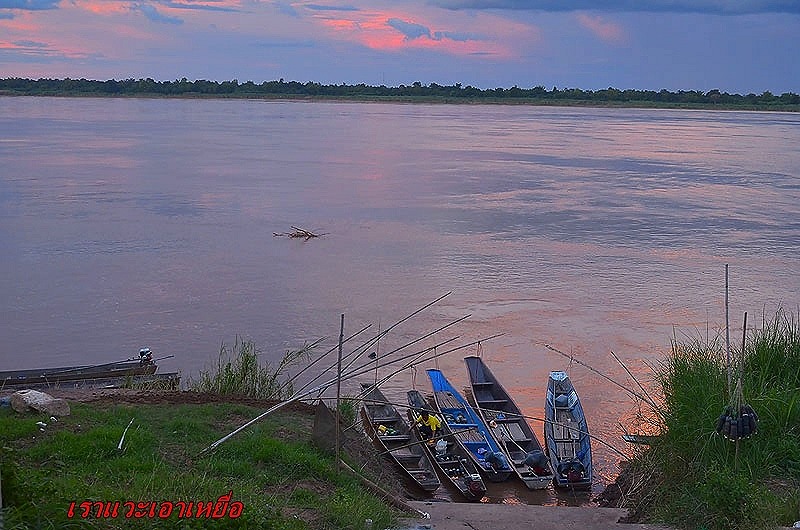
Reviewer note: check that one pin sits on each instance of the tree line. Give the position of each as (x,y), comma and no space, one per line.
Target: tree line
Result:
(416,91)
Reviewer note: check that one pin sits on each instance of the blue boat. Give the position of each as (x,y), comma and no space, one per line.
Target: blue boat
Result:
(468,429)
(566,434)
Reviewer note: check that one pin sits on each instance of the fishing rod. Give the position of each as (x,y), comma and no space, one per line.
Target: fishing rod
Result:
(315,361)
(412,362)
(601,374)
(551,422)
(376,366)
(325,385)
(363,347)
(377,338)
(649,400)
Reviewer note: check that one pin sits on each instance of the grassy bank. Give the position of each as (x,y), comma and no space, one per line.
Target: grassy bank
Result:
(281,479)
(694,478)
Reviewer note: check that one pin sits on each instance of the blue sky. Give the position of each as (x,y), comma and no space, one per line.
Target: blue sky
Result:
(735,46)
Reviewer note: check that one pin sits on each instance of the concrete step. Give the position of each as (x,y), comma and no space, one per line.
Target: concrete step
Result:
(481,516)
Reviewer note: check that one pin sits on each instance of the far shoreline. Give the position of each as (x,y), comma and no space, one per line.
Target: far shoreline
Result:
(429,100)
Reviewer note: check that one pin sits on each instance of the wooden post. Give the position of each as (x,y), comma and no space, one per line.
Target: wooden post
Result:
(338,394)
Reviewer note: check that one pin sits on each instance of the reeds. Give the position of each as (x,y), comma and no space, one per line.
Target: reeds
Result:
(691,477)
(239,372)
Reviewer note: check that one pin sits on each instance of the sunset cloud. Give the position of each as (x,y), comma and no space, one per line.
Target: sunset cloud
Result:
(603,29)
(484,43)
(154,15)
(661,6)
(317,7)
(409,29)
(30,5)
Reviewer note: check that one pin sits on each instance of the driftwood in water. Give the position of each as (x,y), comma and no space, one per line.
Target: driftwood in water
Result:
(298,233)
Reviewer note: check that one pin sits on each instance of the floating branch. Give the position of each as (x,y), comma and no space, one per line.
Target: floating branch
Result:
(298,233)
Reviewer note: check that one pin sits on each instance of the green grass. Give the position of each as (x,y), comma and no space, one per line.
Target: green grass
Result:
(692,477)
(239,372)
(283,480)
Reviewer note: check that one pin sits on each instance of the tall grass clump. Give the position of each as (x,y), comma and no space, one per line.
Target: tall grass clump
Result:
(693,478)
(239,372)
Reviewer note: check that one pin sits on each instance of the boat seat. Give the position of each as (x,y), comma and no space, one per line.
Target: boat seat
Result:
(407,457)
(385,419)
(395,438)
(506,419)
(483,384)
(460,426)
(492,401)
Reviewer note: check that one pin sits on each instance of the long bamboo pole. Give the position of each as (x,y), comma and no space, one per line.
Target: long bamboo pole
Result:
(356,353)
(727,337)
(328,384)
(404,346)
(650,400)
(338,395)
(604,376)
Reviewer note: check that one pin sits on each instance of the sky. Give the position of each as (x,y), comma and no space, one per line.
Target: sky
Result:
(736,46)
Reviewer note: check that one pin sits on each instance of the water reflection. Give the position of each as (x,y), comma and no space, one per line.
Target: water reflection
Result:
(130,223)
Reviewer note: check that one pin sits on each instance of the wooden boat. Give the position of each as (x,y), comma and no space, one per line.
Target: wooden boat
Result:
(468,429)
(567,434)
(452,462)
(508,426)
(144,365)
(384,425)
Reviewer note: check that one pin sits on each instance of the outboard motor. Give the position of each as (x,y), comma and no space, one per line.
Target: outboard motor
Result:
(145,356)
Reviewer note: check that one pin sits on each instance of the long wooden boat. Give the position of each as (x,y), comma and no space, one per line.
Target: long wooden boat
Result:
(468,428)
(567,434)
(390,431)
(451,461)
(508,426)
(144,365)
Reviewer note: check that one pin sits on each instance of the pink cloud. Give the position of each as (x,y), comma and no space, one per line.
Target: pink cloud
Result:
(603,29)
(389,30)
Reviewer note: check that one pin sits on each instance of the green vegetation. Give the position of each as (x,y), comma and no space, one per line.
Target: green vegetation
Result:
(282,480)
(239,372)
(416,92)
(693,478)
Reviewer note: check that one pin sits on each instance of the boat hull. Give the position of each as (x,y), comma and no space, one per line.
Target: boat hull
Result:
(468,428)
(508,426)
(453,462)
(566,434)
(76,375)
(389,431)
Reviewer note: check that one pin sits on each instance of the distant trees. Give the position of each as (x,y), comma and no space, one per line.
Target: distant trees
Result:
(416,91)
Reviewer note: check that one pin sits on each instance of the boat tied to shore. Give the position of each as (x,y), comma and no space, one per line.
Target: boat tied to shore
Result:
(566,434)
(389,430)
(447,455)
(468,428)
(508,426)
(141,369)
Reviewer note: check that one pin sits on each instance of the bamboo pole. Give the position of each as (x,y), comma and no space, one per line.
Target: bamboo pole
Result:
(650,401)
(604,376)
(325,386)
(338,395)
(363,347)
(727,336)
(393,499)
